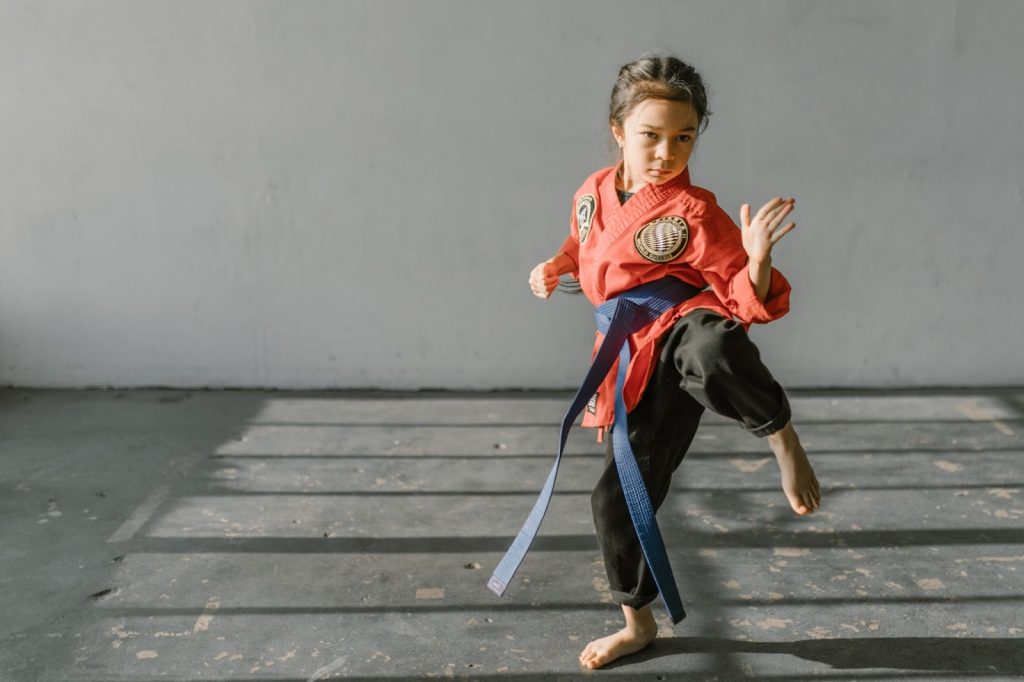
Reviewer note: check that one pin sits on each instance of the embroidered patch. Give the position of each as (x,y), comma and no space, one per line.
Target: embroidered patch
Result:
(585,215)
(592,404)
(661,240)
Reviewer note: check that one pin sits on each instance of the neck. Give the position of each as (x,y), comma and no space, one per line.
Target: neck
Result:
(626,183)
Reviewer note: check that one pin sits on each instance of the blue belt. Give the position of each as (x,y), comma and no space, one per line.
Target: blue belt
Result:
(617,318)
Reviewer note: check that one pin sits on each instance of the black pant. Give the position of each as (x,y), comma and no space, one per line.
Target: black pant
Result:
(706,361)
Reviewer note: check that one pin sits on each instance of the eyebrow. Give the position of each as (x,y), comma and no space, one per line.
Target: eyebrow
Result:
(648,125)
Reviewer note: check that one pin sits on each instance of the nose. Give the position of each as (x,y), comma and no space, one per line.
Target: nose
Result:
(664,150)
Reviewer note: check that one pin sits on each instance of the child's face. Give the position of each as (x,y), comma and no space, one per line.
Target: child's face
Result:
(657,139)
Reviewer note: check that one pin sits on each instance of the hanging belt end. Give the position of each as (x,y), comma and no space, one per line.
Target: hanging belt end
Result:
(496,585)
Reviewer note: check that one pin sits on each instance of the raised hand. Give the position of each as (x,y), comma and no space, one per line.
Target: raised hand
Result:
(761,233)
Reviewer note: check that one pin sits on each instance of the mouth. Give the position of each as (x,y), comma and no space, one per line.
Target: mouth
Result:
(661,172)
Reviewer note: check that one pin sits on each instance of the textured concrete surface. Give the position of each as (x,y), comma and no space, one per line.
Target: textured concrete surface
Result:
(242,535)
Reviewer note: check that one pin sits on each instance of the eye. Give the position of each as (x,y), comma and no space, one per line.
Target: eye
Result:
(683,138)
(650,135)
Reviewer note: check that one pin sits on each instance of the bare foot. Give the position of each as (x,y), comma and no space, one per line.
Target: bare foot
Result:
(640,631)
(798,480)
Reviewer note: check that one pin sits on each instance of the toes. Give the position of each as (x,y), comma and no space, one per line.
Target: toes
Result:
(589,654)
(593,656)
(599,659)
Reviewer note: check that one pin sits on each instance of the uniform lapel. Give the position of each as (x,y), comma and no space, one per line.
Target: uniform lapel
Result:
(618,217)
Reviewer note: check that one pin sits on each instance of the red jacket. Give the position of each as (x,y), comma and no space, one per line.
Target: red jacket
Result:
(673,229)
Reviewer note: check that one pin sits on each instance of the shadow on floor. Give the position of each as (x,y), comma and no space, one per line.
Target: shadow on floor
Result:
(1003,656)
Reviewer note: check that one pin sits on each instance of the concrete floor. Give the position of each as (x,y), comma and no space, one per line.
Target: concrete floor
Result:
(244,535)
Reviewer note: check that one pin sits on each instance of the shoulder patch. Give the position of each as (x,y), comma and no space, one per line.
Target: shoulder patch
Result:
(585,207)
(663,239)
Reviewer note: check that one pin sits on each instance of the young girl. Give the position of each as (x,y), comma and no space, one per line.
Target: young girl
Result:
(640,221)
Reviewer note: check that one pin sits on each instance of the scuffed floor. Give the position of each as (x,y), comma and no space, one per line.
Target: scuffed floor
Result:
(247,535)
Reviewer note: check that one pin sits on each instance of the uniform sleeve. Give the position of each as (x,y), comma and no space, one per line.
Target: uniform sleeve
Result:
(571,245)
(721,259)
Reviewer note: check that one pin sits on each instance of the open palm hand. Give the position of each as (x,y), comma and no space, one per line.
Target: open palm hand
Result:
(761,233)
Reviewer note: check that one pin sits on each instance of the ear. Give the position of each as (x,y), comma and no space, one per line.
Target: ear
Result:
(619,134)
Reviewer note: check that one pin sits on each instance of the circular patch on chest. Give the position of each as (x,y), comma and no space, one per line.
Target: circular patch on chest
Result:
(662,240)
(585,207)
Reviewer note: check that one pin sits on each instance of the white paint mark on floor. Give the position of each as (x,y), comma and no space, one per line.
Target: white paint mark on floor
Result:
(791,551)
(773,623)
(747,466)
(1003,493)
(1004,429)
(141,515)
(600,585)
(975,412)
(951,467)
(328,669)
(203,622)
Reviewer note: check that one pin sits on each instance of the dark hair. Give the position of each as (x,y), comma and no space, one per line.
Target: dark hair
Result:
(654,77)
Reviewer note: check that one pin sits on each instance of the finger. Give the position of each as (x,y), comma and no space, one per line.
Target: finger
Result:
(767,207)
(745,215)
(775,205)
(785,208)
(775,215)
(779,234)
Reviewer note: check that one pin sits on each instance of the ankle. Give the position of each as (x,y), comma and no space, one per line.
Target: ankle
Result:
(640,621)
(785,437)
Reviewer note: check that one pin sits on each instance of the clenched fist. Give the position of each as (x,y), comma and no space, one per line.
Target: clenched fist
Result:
(544,279)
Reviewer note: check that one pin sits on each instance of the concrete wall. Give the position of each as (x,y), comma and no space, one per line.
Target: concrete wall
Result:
(352,194)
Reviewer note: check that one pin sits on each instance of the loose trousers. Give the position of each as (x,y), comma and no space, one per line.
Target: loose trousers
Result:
(706,362)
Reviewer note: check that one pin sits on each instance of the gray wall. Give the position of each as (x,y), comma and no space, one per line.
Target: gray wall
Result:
(352,194)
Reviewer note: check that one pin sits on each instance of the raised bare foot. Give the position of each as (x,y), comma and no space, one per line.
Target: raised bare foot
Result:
(798,479)
(640,630)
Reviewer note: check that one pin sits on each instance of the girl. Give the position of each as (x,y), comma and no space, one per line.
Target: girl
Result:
(640,221)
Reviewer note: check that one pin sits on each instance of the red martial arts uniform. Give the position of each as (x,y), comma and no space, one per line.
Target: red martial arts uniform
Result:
(673,229)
